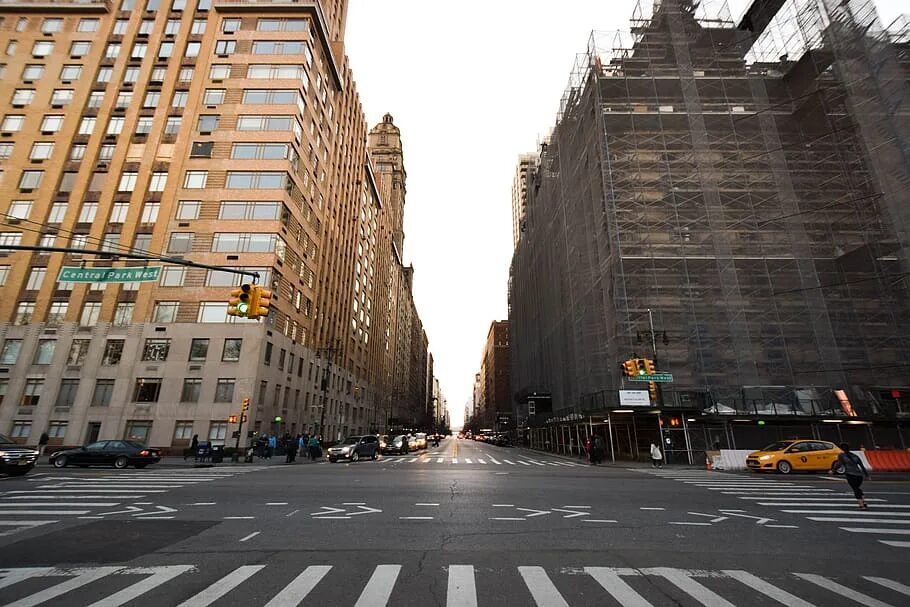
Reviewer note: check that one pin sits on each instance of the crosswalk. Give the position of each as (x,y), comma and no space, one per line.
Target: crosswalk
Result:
(478,460)
(54,495)
(888,522)
(277,586)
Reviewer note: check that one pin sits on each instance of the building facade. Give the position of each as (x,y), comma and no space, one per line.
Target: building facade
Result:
(723,198)
(494,392)
(526,163)
(223,132)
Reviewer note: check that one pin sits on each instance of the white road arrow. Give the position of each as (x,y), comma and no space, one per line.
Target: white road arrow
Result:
(364,510)
(759,520)
(572,513)
(129,510)
(535,512)
(327,510)
(160,510)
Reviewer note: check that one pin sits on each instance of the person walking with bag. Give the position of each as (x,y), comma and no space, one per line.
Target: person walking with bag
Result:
(854,471)
(657,458)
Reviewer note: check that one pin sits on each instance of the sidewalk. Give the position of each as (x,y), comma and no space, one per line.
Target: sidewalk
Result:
(178,462)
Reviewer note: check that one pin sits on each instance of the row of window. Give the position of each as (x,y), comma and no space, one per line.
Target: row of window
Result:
(164,311)
(53,25)
(139,50)
(213,96)
(136,430)
(153,349)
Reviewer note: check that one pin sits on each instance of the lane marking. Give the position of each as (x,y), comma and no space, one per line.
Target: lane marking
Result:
(838,519)
(203,504)
(503,505)
(652,508)
(769,590)
(461,591)
(425,504)
(222,586)
(379,589)
(508,518)
(415,518)
(783,526)
(849,593)
(895,543)
(160,575)
(294,593)
(494,461)
(250,536)
(276,503)
(617,587)
(83,577)
(541,587)
(597,520)
(290,514)
(239,518)
(891,584)
(692,524)
(876,530)
(684,582)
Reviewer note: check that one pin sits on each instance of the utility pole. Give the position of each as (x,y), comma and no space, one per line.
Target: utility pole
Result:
(329,353)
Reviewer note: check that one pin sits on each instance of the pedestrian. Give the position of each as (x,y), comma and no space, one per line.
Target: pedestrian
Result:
(854,471)
(42,443)
(194,444)
(588,447)
(314,448)
(657,458)
(598,449)
(273,444)
(290,448)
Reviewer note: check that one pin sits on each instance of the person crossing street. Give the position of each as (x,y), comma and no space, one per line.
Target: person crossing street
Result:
(854,472)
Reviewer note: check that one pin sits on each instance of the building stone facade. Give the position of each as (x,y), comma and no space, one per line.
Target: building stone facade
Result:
(526,164)
(493,386)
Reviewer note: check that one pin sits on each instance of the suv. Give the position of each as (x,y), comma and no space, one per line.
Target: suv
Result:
(354,448)
(16,460)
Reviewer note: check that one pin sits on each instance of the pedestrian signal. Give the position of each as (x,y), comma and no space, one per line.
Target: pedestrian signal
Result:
(232,419)
(239,303)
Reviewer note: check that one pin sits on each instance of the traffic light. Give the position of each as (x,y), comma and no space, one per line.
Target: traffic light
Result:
(649,366)
(630,368)
(652,391)
(239,303)
(640,364)
(246,405)
(232,419)
(260,302)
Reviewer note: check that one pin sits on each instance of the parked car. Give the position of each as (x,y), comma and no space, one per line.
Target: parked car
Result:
(116,453)
(795,455)
(15,459)
(396,444)
(355,448)
(421,440)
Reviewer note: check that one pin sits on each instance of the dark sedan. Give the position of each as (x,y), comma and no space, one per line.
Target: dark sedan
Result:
(397,444)
(15,459)
(116,453)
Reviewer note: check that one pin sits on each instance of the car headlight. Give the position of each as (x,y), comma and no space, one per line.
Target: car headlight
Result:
(765,457)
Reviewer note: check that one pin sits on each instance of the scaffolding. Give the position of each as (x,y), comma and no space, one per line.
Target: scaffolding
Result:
(743,179)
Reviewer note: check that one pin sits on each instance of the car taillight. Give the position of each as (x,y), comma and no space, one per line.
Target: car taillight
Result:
(144,452)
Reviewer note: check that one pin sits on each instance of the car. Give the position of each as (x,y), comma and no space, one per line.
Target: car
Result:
(354,448)
(421,440)
(16,460)
(397,444)
(116,453)
(383,441)
(412,442)
(803,455)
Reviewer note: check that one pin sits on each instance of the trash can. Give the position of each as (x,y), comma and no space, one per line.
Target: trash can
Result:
(217,454)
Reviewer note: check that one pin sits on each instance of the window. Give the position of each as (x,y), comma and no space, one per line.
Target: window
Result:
(158,181)
(214,96)
(195,180)
(78,351)
(261,151)
(199,349)
(172,126)
(20,209)
(181,242)
(207,123)
(269,123)
(147,389)
(44,353)
(165,311)
(24,312)
(57,312)
(110,242)
(236,242)
(12,123)
(119,211)
(192,49)
(225,47)
(167,48)
(179,99)
(274,97)
(282,25)
(138,431)
(77,152)
(113,351)
(277,71)
(70,72)
(91,311)
(62,96)
(6,150)
(151,99)
(66,397)
(150,212)
(112,51)
(88,212)
(32,393)
(4,275)
(23,96)
(10,237)
(95,99)
(229,26)
(11,47)
(231,350)
(198,27)
(124,100)
(104,75)
(104,390)
(156,349)
(42,48)
(186,74)
(30,180)
(267,360)
(220,71)
(139,50)
(21,429)
(35,279)
(192,386)
(10,353)
(172,276)
(224,390)
(52,26)
(87,125)
(249,210)
(146,27)
(57,429)
(57,212)
(256,180)
(284,47)
(79,49)
(50,240)
(131,75)
(123,314)
(87,25)
(121,26)
(32,72)
(41,151)
(183,430)
(210,311)
(128,182)
(202,149)
(188,209)
(218,431)
(51,123)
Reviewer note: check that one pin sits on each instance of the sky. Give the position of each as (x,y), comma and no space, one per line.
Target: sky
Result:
(472,85)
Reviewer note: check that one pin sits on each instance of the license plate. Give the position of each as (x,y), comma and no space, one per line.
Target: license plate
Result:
(23,462)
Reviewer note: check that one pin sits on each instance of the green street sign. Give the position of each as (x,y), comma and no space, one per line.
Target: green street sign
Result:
(657,377)
(145,274)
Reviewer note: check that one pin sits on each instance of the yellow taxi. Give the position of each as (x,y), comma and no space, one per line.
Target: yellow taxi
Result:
(795,455)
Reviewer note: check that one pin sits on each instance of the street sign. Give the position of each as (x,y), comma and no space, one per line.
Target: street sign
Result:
(634,398)
(657,377)
(75,274)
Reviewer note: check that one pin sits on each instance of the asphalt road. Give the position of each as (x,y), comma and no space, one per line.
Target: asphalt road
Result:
(462,525)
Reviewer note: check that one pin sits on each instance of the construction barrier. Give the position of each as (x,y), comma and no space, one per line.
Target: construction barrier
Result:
(887,460)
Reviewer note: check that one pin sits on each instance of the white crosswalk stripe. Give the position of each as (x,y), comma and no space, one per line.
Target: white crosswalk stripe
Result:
(430,458)
(819,504)
(554,587)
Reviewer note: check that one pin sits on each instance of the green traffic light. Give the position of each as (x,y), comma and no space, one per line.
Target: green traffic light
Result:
(243,307)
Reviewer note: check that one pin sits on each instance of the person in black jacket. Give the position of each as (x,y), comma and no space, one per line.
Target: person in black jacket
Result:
(854,472)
